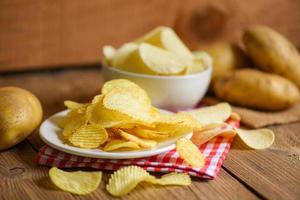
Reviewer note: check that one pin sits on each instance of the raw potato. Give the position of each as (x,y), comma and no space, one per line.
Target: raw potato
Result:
(256,89)
(273,53)
(226,57)
(20,114)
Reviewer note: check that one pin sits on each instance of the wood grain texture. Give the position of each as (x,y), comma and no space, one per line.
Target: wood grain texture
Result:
(274,173)
(52,33)
(47,34)
(206,21)
(21,178)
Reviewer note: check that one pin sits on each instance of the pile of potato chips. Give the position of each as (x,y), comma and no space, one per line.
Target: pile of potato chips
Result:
(122,118)
(120,183)
(160,52)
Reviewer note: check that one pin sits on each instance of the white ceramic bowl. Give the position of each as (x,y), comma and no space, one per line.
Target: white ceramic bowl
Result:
(168,92)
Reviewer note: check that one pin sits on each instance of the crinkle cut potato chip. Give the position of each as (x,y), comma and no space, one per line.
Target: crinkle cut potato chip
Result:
(129,102)
(72,123)
(173,178)
(98,114)
(89,136)
(190,153)
(126,179)
(212,114)
(120,84)
(78,182)
(120,144)
(142,142)
(257,138)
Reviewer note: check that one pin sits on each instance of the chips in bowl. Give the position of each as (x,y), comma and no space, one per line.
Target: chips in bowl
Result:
(159,52)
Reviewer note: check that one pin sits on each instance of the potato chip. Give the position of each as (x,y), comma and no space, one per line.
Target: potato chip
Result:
(177,124)
(212,114)
(120,144)
(166,38)
(196,67)
(72,105)
(190,153)
(98,114)
(201,137)
(149,59)
(78,182)
(204,57)
(150,134)
(89,136)
(123,53)
(72,123)
(257,138)
(142,142)
(126,179)
(119,84)
(131,103)
(235,116)
(173,178)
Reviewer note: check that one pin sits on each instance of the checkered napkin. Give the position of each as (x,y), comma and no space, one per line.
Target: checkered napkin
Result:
(215,152)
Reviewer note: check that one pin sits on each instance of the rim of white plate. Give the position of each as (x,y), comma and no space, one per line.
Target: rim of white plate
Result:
(49,133)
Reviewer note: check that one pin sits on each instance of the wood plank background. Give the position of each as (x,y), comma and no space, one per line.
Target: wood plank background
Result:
(46,34)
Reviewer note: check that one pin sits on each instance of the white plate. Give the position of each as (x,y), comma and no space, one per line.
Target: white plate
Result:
(49,132)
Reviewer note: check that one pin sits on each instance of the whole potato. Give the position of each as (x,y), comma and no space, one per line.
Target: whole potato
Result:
(20,114)
(256,89)
(226,57)
(272,52)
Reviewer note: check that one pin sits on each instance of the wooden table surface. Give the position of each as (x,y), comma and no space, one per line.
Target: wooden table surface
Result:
(246,174)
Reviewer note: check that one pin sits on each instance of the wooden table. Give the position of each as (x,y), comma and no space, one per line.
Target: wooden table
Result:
(246,174)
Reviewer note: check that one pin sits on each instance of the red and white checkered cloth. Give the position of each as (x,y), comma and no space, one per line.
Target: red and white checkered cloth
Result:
(215,152)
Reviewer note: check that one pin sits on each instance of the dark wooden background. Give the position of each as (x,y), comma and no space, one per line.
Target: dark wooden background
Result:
(54,33)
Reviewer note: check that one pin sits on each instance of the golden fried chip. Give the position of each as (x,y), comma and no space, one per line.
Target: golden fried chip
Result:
(149,59)
(98,114)
(75,182)
(257,138)
(72,105)
(235,116)
(72,123)
(89,136)
(190,153)
(201,137)
(120,144)
(123,53)
(109,53)
(166,38)
(212,114)
(150,134)
(122,84)
(131,103)
(173,178)
(142,142)
(126,179)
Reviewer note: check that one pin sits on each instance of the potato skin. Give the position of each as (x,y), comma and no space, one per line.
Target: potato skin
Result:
(20,114)
(226,57)
(272,52)
(255,89)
